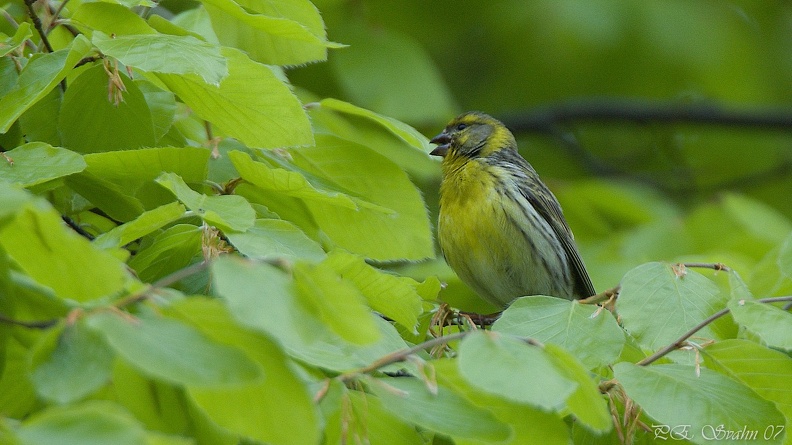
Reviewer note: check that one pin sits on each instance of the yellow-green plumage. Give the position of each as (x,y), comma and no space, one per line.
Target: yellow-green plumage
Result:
(500,228)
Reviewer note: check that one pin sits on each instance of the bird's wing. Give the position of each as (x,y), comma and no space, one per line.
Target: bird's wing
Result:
(546,205)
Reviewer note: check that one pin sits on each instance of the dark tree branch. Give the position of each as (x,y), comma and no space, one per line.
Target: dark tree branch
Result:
(37,24)
(546,119)
(551,120)
(76,227)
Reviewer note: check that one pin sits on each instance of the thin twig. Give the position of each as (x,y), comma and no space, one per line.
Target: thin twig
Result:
(37,24)
(76,227)
(41,324)
(679,341)
(402,355)
(602,296)
(713,266)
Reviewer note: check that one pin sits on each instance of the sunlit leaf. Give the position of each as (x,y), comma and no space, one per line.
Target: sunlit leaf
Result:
(37,162)
(262,298)
(251,104)
(110,19)
(589,332)
(528,424)
(772,325)
(274,238)
(143,225)
(337,302)
(445,412)
(59,258)
(393,296)
(279,407)
(764,370)
(273,32)
(227,212)
(166,54)
(658,303)
(391,222)
(10,44)
(487,360)
(676,395)
(80,363)
(586,402)
(89,423)
(169,350)
(402,144)
(285,182)
(40,76)
(175,248)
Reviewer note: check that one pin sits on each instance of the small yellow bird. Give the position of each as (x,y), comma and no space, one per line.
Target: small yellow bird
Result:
(500,228)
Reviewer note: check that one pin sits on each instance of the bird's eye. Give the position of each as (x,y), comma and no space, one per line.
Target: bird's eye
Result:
(461,127)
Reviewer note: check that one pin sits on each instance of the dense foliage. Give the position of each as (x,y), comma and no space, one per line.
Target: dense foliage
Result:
(194,249)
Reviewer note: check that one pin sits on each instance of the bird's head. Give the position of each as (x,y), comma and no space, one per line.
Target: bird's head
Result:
(472,135)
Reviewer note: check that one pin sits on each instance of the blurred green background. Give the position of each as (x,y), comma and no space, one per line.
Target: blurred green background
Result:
(633,191)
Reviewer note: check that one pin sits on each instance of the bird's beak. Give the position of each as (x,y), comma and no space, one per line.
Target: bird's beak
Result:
(443,141)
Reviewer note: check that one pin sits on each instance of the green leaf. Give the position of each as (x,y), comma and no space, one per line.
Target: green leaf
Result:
(658,303)
(159,405)
(227,212)
(357,417)
(12,199)
(488,359)
(193,21)
(37,162)
(274,238)
(172,351)
(444,411)
(160,53)
(262,298)
(251,104)
(79,365)
(175,248)
(143,225)
(336,302)
(110,19)
(40,121)
(23,32)
(393,296)
(89,423)
(132,168)
(91,122)
(285,182)
(528,424)
(59,258)
(588,332)
(391,222)
(674,395)
(416,91)
(39,76)
(273,32)
(772,325)
(110,197)
(279,407)
(402,144)
(162,104)
(586,403)
(764,370)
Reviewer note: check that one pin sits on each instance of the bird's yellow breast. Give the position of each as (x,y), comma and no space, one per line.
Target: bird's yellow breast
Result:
(494,241)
